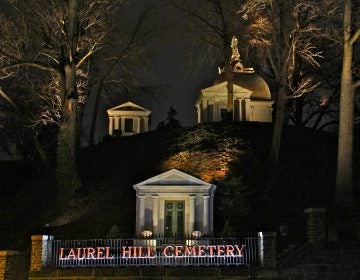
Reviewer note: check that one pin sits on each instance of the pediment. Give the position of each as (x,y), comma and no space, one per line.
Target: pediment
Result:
(221,89)
(128,106)
(172,177)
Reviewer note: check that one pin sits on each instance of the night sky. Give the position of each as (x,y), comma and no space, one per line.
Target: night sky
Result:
(180,84)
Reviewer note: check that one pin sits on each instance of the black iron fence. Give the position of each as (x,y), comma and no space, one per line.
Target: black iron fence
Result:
(153,252)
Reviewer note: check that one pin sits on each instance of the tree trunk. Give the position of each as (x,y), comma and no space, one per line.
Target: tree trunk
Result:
(94,115)
(230,93)
(278,125)
(39,148)
(299,106)
(67,175)
(344,180)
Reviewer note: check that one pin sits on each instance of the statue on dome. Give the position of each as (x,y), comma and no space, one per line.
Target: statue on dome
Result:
(235,60)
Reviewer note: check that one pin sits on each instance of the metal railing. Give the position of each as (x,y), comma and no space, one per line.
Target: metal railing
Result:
(154,252)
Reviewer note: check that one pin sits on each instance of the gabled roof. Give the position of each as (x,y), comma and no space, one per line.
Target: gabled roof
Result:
(173,177)
(129,106)
(220,90)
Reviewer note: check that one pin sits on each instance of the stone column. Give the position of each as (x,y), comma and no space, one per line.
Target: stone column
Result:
(155,216)
(241,110)
(116,125)
(211,214)
(267,249)
(315,224)
(247,109)
(206,214)
(141,214)
(198,114)
(111,125)
(138,126)
(191,214)
(122,124)
(204,114)
(40,251)
(146,124)
(211,110)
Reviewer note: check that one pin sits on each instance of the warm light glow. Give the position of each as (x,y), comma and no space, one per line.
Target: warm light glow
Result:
(208,166)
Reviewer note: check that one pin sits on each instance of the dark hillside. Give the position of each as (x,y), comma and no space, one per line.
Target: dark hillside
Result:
(211,152)
(232,156)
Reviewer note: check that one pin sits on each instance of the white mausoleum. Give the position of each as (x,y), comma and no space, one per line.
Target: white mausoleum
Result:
(251,95)
(174,203)
(128,118)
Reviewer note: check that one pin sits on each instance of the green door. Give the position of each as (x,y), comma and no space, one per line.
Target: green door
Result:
(174,218)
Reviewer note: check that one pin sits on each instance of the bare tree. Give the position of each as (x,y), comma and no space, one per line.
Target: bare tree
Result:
(31,108)
(130,45)
(57,37)
(294,33)
(344,192)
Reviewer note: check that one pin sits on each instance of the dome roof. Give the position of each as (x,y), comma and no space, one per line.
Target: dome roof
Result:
(250,81)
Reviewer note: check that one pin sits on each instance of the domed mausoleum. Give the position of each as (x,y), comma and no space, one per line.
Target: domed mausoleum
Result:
(251,95)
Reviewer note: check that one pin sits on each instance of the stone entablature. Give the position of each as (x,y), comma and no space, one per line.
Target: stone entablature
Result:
(174,203)
(129,119)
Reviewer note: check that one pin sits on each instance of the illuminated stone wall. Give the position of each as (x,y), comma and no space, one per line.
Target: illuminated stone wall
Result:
(12,266)
(40,249)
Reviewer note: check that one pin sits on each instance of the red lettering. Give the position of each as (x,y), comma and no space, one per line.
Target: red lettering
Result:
(61,253)
(201,252)
(220,250)
(149,252)
(107,253)
(100,253)
(240,250)
(81,253)
(90,253)
(211,249)
(128,252)
(191,251)
(71,254)
(167,248)
(178,251)
(229,250)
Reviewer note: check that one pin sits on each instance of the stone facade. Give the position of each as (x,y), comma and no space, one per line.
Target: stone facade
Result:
(12,266)
(40,251)
(128,119)
(157,198)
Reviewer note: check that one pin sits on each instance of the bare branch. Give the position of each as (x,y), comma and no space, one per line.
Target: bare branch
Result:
(8,99)
(305,86)
(355,36)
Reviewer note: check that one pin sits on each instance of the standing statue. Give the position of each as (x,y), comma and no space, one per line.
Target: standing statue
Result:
(235,56)
(235,60)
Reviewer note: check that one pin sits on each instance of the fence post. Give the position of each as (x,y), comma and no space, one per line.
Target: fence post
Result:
(315,225)
(267,246)
(12,265)
(40,251)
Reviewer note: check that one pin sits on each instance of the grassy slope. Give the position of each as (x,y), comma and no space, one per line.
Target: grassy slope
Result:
(207,151)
